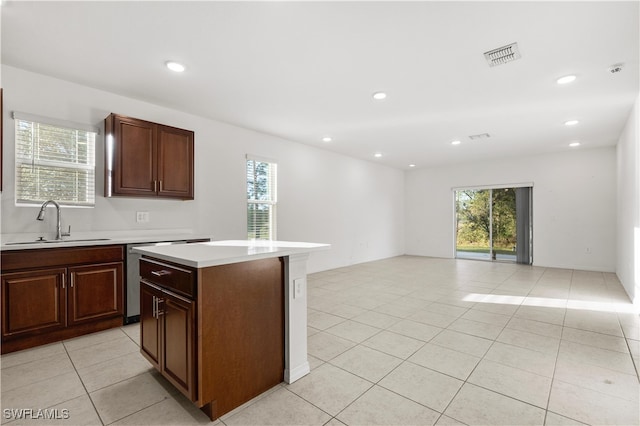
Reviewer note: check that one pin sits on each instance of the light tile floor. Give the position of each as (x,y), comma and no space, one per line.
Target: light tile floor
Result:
(402,341)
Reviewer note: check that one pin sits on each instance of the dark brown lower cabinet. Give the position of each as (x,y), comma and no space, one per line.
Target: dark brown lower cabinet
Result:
(94,292)
(33,302)
(179,342)
(216,333)
(150,330)
(54,294)
(167,326)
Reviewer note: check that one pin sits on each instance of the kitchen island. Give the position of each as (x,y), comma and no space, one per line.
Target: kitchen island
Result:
(224,321)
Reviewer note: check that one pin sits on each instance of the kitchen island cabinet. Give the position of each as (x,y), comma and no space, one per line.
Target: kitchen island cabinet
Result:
(168,323)
(225,321)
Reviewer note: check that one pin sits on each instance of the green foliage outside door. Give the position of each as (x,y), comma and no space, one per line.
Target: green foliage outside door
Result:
(486,223)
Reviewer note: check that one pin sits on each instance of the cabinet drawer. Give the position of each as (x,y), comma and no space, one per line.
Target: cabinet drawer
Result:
(14,260)
(175,277)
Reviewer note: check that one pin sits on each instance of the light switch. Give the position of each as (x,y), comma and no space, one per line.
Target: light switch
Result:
(298,285)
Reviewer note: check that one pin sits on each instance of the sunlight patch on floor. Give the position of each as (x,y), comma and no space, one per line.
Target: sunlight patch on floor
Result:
(494,298)
(549,302)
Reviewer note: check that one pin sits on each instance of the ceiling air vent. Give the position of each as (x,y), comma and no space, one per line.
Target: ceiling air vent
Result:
(479,136)
(616,68)
(502,55)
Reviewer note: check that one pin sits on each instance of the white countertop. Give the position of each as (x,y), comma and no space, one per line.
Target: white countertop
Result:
(213,253)
(83,239)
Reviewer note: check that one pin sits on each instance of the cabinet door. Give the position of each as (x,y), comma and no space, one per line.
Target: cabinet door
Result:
(134,156)
(175,162)
(95,292)
(150,338)
(33,302)
(178,349)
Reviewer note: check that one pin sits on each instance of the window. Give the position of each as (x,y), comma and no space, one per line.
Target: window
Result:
(261,199)
(54,161)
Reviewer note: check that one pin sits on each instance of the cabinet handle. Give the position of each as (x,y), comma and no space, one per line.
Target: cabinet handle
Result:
(160,185)
(64,278)
(158,311)
(156,305)
(155,186)
(161,273)
(72,280)
(153,306)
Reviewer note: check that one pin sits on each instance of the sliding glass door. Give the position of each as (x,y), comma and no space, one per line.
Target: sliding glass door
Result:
(473,224)
(494,224)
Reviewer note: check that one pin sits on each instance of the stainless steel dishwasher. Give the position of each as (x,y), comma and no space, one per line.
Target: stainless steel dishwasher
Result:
(133,277)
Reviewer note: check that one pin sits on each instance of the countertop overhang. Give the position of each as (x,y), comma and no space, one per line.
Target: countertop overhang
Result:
(214,253)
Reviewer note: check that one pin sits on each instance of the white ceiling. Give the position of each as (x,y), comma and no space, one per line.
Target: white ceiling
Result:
(303,70)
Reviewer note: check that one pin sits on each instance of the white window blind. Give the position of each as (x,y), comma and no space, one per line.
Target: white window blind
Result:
(54,162)
(261,198)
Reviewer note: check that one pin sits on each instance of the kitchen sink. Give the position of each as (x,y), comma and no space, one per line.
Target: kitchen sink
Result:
(58,241)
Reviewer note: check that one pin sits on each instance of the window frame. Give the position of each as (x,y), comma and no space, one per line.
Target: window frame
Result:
(272,200)
(22,158)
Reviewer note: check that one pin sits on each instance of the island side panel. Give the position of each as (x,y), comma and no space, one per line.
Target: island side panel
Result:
(240,332)
(296,361)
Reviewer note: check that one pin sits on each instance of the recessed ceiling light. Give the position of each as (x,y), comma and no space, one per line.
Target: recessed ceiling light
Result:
(571,122)
(455,142)
(327,139)
(377,155)
(412,165)
(379,96)
(574,144)
(566,79)
(175,66)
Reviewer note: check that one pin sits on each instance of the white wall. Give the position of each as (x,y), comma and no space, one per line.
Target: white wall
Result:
(628,232)
(356,206)
(574,205)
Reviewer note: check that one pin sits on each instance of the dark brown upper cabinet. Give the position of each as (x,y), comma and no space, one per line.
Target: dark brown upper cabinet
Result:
(145,159)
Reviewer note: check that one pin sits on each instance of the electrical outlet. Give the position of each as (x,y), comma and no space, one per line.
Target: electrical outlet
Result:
(298,287)
(142,217)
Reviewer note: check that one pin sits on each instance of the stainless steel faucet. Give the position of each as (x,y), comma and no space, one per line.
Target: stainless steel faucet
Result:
(59,234)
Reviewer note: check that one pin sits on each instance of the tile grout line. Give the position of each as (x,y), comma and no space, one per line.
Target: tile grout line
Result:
(83,385)
(89,393)
(387,374)
(555,364)
(58,375)
(481,358)
(328,361)
(558,355)
(491,390)
(633,361)
(465,381)
(439,372)
(327,413)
